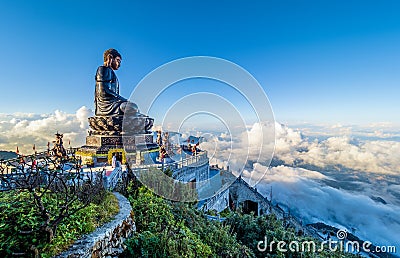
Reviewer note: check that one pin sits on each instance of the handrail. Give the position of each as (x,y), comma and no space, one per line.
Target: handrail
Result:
(211,201)
(217,218)
(187,162)
(111,181)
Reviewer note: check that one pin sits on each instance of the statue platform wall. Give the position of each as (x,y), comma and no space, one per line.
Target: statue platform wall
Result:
(97,147)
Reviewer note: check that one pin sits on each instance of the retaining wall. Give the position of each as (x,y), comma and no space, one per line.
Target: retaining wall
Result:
(107,240)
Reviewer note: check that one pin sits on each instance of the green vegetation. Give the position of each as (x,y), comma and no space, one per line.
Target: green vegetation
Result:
(8,155)
(170,229)
(21,221)
(166,229)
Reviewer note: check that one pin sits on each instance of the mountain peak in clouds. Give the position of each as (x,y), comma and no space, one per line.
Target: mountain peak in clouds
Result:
(378,199)
(7,154)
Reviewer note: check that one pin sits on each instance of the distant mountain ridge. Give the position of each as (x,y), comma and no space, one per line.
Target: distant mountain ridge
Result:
(7,154)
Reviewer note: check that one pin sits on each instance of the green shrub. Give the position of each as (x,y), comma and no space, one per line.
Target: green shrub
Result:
(20,223)
(225,213)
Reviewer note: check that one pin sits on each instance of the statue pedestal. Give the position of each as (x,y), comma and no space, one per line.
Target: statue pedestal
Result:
(106,137)
(97,147)
(130,143)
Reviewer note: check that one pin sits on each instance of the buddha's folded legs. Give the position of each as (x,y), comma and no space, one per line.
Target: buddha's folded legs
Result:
(129,108)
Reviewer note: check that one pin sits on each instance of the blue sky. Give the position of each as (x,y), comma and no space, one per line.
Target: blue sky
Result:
(318,61)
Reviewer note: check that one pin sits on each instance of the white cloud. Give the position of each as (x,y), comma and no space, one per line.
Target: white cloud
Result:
(367,156)
(383,131)
(82,115)
(24,130)
(377,156)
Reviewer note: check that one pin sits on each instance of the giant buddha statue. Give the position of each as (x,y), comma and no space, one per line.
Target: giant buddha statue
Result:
(110,107)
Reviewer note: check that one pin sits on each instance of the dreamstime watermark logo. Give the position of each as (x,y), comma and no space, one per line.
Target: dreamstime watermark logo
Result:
(236,99)
(342,244)
(341,234)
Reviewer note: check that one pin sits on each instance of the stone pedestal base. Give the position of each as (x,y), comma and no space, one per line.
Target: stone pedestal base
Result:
(98,146)
(103,143)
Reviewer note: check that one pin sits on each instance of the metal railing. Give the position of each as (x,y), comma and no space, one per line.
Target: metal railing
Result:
(191,161)
(182,167)
(217,218)
(111,181)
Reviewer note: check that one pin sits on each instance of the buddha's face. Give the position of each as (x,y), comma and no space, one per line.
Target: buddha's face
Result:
(116,63)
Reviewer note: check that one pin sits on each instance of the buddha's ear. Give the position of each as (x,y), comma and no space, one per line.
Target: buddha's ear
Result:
(109,59)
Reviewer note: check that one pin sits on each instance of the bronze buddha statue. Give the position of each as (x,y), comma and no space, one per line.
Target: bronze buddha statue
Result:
(110,107)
